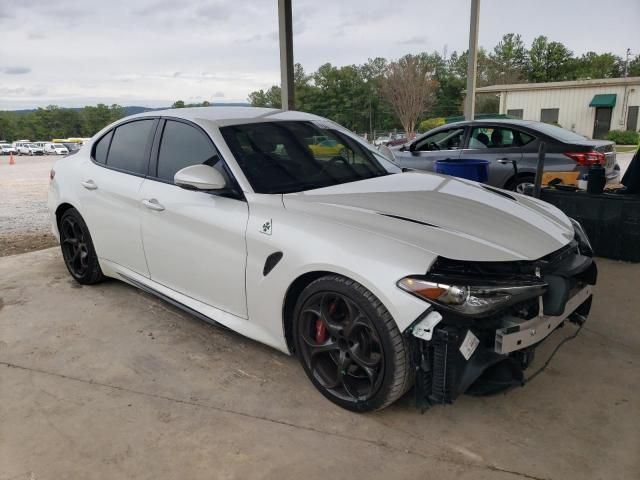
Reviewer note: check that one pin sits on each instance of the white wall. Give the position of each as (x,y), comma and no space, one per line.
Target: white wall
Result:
(575,113)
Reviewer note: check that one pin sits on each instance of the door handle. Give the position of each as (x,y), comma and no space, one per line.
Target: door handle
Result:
(504,161)
(89,185)
(153,204)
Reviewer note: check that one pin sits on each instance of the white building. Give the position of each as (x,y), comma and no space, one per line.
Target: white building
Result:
(588,107)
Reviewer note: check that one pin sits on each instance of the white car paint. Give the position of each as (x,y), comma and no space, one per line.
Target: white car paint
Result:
(7,149)
(55,149)
(208,252)
(28,149)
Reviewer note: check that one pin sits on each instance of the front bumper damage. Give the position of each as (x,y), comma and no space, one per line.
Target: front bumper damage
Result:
(453,354)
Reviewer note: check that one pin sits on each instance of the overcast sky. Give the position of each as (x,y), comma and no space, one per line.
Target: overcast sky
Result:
(152,52)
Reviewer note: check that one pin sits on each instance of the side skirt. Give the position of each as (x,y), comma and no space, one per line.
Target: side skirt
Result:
(170,300)
(199,309)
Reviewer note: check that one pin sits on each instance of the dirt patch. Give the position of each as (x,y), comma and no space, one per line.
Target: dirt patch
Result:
(24,219)
(25,242)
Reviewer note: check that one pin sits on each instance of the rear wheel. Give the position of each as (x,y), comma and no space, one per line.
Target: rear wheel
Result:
(520,183)
(77,248)
(350,346)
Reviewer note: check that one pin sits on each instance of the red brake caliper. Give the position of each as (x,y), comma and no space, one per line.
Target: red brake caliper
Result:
(321,326)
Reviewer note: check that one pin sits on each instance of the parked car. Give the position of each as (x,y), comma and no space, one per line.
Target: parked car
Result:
(371,276)
(397,141)
(29,149)
(381,141)
(502,142)
(7,149)
(325,147)
(55,149)
(72,147)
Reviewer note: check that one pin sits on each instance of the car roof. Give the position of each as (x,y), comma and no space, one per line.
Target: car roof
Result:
(508,121)
(228,115)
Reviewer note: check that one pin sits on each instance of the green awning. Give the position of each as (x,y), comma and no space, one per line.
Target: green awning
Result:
(604,100)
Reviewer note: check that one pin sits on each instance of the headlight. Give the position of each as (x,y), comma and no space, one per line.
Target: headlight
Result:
(470,298)
(581,236)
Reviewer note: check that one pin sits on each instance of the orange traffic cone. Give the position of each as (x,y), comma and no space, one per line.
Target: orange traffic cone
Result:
(11,160)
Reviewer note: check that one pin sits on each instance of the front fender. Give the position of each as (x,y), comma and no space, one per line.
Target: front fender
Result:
(310,244)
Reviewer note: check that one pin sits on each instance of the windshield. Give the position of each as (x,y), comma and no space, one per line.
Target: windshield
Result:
(559,133)
(57,145)
(284,157)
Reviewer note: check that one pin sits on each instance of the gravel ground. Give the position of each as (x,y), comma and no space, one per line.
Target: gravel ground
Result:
(24,223)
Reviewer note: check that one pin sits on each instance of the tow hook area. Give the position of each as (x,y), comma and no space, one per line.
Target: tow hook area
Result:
(451,359)
(457,360)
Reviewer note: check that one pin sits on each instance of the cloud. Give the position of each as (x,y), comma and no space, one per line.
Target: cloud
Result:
(22,91)
(15,70)
(155,8)
(253,38)
(215,12)
(415,40)
(11,91)
(151,52)
(218,95)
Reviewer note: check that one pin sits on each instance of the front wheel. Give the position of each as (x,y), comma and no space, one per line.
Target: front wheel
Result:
(77,249)
(350,346)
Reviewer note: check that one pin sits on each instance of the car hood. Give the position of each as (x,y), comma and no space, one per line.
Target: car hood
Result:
(449,217)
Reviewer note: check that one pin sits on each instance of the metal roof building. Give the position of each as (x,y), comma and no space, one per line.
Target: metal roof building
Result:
(588,107)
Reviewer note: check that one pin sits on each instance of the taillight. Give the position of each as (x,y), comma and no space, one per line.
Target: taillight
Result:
(587,158)
(52,174)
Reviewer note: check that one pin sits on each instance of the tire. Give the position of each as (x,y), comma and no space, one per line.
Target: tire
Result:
(77,249)
(350,346)
(518,184)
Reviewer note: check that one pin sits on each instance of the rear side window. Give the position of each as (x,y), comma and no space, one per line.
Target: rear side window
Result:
(497,137)
(101,148)
(182,146)
(129,147)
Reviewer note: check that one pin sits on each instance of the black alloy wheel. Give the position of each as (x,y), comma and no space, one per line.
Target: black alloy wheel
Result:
(349,345)
(77,248)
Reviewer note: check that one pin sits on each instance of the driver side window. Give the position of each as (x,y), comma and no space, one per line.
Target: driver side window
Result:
(181,146)
(450,139)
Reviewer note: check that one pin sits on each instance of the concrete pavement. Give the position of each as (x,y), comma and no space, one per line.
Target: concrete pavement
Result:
(108,382)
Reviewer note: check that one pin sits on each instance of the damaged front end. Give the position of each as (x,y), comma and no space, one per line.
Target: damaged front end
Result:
(486,319)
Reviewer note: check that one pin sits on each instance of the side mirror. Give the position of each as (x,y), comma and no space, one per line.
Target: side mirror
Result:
(412,147)
(200,177)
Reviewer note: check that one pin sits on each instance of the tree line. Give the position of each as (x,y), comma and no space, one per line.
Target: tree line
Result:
(56,122)
(374,97)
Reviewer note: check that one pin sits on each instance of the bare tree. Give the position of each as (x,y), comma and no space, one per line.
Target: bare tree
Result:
(408,86)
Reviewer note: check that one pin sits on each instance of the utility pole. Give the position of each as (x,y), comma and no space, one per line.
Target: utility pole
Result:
(472,61)
(286,54)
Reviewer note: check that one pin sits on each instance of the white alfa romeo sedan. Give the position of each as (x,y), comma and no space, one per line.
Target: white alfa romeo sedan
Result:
(377,279)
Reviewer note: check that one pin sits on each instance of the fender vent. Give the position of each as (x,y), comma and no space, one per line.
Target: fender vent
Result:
(271,261)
